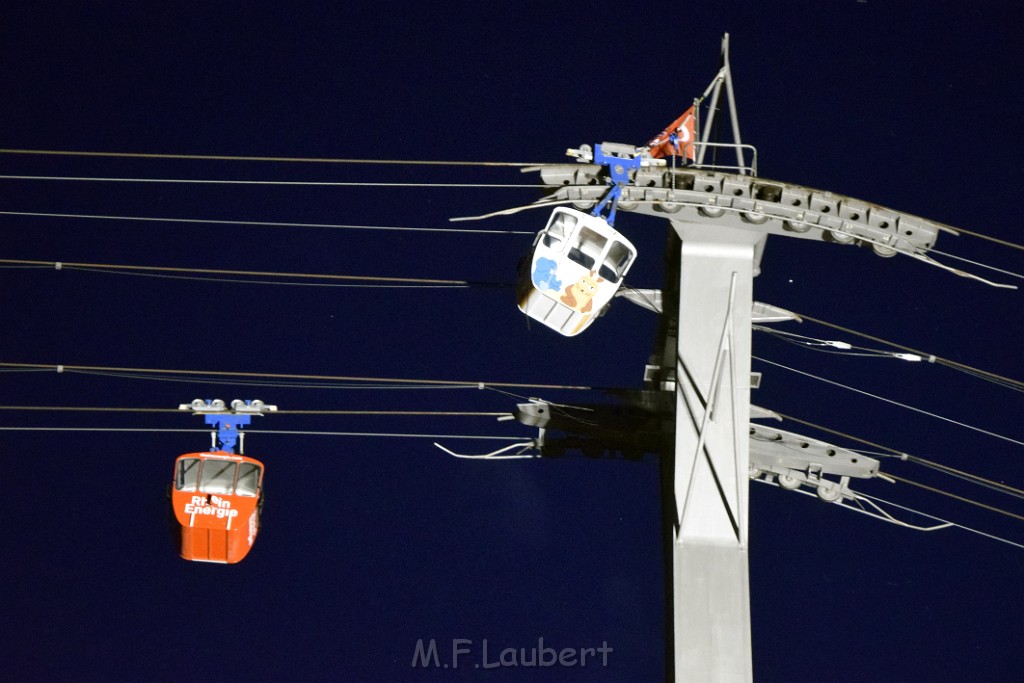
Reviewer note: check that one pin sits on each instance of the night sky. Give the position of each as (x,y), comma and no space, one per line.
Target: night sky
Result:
(372,543)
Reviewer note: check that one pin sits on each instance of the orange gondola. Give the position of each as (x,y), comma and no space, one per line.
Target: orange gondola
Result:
(217,499)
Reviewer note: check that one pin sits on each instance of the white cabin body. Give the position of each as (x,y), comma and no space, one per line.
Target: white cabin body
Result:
(578,264)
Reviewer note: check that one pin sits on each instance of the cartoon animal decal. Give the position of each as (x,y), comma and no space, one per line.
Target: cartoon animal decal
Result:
(545,275)
(579,296)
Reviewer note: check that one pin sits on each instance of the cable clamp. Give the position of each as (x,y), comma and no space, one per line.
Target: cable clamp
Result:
(58,265)
(60,368)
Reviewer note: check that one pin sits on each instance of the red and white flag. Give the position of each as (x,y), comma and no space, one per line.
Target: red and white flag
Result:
(677,139)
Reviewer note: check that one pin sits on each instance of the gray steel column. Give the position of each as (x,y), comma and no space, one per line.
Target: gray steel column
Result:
(711,588)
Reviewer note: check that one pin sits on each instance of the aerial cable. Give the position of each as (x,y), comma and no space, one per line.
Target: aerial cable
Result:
(240,281)
(999,379)
(65,265)
(937,519)
(841,348)
(1004,243)
(287,376)
(956,497)
(328,160)
(943,523)
(296,183)
(285,384)
(392,435)
(889,452)
(400,413)
(891,401)
(284,432)
(270,224)
(978,263)
(835,347)
(999,487)
(306,160)
(390,413)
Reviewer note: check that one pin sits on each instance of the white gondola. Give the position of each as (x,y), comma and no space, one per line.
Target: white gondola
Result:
(578,264)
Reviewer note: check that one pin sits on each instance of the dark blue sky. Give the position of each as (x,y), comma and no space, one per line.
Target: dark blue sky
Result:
(370,544)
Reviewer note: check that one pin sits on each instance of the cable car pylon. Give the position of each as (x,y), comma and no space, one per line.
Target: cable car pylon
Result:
(720,217)
(217,495)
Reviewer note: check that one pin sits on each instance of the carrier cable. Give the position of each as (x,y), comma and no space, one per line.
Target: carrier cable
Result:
(924,354)
(390,413)
(287,376)
(368,162)
(286,183)
(261,432)
(66,265)
(891,401)
(956,497)
(262,224)
(302,160)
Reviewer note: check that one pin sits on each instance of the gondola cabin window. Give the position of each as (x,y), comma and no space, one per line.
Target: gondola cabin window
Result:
(218,476)
(577,265)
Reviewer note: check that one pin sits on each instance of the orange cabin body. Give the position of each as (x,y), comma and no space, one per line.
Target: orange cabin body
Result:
(217,499)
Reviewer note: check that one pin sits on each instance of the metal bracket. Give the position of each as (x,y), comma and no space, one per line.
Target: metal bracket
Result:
(798,461)
(619,168)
